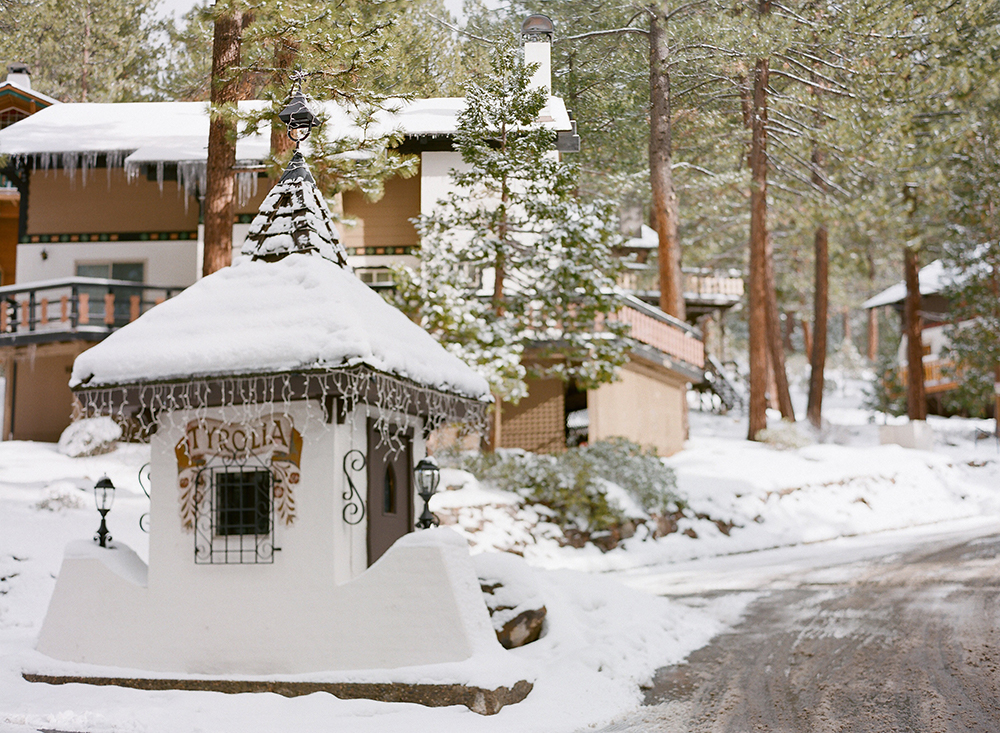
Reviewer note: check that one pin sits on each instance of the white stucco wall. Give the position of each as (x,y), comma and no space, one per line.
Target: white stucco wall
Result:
(315,608)
(172,263)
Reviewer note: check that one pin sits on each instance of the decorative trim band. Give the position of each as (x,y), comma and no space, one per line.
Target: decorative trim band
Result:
(109,237)
(358,251)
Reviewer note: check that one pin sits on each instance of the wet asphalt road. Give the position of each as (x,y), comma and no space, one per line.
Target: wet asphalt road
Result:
(909,643)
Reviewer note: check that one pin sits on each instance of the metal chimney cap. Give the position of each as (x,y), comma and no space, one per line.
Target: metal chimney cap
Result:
(18,68)
(536,26)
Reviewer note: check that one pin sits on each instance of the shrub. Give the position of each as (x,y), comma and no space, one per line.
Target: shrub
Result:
(572,484)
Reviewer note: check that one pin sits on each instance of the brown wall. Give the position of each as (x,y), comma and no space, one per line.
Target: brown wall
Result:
(647,406)
(9,209)
(60,204)
(538,422)
(42,400)
(386,221)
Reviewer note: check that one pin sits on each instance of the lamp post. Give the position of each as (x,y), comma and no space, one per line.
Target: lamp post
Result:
(428,476)
(104,496)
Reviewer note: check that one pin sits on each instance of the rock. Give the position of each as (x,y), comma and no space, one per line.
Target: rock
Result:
(512,597)
(90,437)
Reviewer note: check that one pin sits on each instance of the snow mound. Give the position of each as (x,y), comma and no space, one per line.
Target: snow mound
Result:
(91,436)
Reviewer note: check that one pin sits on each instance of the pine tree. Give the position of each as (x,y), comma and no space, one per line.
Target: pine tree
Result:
(512,261)
(86,50)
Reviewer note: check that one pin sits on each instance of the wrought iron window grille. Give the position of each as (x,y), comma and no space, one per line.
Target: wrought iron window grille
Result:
(235,512)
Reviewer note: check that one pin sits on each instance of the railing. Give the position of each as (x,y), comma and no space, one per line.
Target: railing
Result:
(936,375)
(52,309)
(712,285)
(653,327)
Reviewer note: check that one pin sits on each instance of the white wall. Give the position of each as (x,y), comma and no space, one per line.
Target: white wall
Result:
(172,263)
(315,608)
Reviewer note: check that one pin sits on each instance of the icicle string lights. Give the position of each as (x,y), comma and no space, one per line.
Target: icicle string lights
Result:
(381,396)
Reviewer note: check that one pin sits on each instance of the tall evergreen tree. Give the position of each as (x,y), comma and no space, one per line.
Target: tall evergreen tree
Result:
(512,260)
(86,50)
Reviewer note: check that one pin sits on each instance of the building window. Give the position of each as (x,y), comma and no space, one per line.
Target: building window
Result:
(10,116)
(375,277)
(234,521)
(129,271)
(243,502)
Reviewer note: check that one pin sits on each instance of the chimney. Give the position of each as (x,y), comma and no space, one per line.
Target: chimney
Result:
(18,74)
(536,32)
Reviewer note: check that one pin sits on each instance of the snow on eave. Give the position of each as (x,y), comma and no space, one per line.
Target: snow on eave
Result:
(26,91)
(174,132)
(933,279)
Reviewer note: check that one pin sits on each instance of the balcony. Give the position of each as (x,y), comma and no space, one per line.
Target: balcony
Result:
(672,338)
(73,309)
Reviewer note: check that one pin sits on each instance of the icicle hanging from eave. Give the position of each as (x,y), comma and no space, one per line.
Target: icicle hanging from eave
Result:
(85,161)
(246,186)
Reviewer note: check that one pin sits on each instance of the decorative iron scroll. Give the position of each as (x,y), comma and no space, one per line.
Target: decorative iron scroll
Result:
(354,508)
(144,483)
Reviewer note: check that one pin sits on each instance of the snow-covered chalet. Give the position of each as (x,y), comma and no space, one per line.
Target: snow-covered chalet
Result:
(111,225)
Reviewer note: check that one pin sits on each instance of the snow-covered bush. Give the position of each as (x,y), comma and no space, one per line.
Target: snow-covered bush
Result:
(89,437)
(574,484)
(784,435)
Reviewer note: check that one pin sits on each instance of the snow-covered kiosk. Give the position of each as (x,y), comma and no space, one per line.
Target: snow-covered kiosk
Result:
(286,404)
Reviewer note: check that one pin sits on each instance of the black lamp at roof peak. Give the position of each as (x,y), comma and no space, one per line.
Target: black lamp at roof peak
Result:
(297,114)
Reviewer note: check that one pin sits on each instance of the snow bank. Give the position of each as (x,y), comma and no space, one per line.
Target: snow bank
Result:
(300,313)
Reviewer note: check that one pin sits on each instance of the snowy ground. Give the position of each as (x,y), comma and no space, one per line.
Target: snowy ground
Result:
(602,640)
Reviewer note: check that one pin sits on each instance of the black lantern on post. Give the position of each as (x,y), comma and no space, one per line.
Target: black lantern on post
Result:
(104,495)
(428,476)
(297,115)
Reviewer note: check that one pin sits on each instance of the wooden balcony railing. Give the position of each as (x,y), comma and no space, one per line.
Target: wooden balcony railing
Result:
(673,337)
(88,307)
(936,376)
(713,285)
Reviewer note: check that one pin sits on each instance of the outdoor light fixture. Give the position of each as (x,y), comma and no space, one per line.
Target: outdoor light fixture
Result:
(428,476)
(297,115)
(104,495)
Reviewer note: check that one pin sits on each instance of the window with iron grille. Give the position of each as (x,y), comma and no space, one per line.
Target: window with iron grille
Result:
(235,515)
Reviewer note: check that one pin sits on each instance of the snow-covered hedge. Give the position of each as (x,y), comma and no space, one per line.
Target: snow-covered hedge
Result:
(580,486)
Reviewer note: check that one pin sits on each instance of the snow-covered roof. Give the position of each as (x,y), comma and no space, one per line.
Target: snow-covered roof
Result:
(17,88)
(647,239)
(148,132)
(300,313)
(294,218)
(933,279)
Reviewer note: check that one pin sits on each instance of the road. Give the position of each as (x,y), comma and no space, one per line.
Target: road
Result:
(895,633)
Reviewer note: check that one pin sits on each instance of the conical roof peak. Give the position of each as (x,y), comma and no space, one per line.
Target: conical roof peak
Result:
(294,218)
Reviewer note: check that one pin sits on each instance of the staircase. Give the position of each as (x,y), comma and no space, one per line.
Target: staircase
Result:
(718,382)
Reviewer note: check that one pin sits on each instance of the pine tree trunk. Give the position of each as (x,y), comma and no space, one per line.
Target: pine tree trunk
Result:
(807,341)
(872,312)
(85,60)
(665,211)
(790,319)
(776,346)
(872,334)
(817,354)
(285,53)
(916,399)
(758,298)
(220,187)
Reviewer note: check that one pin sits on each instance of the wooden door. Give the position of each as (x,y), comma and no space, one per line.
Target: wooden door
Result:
(390,494)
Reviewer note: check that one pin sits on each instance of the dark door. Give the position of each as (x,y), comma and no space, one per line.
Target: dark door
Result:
(390,503)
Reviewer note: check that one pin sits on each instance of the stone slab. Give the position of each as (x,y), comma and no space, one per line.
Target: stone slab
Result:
(477,699)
